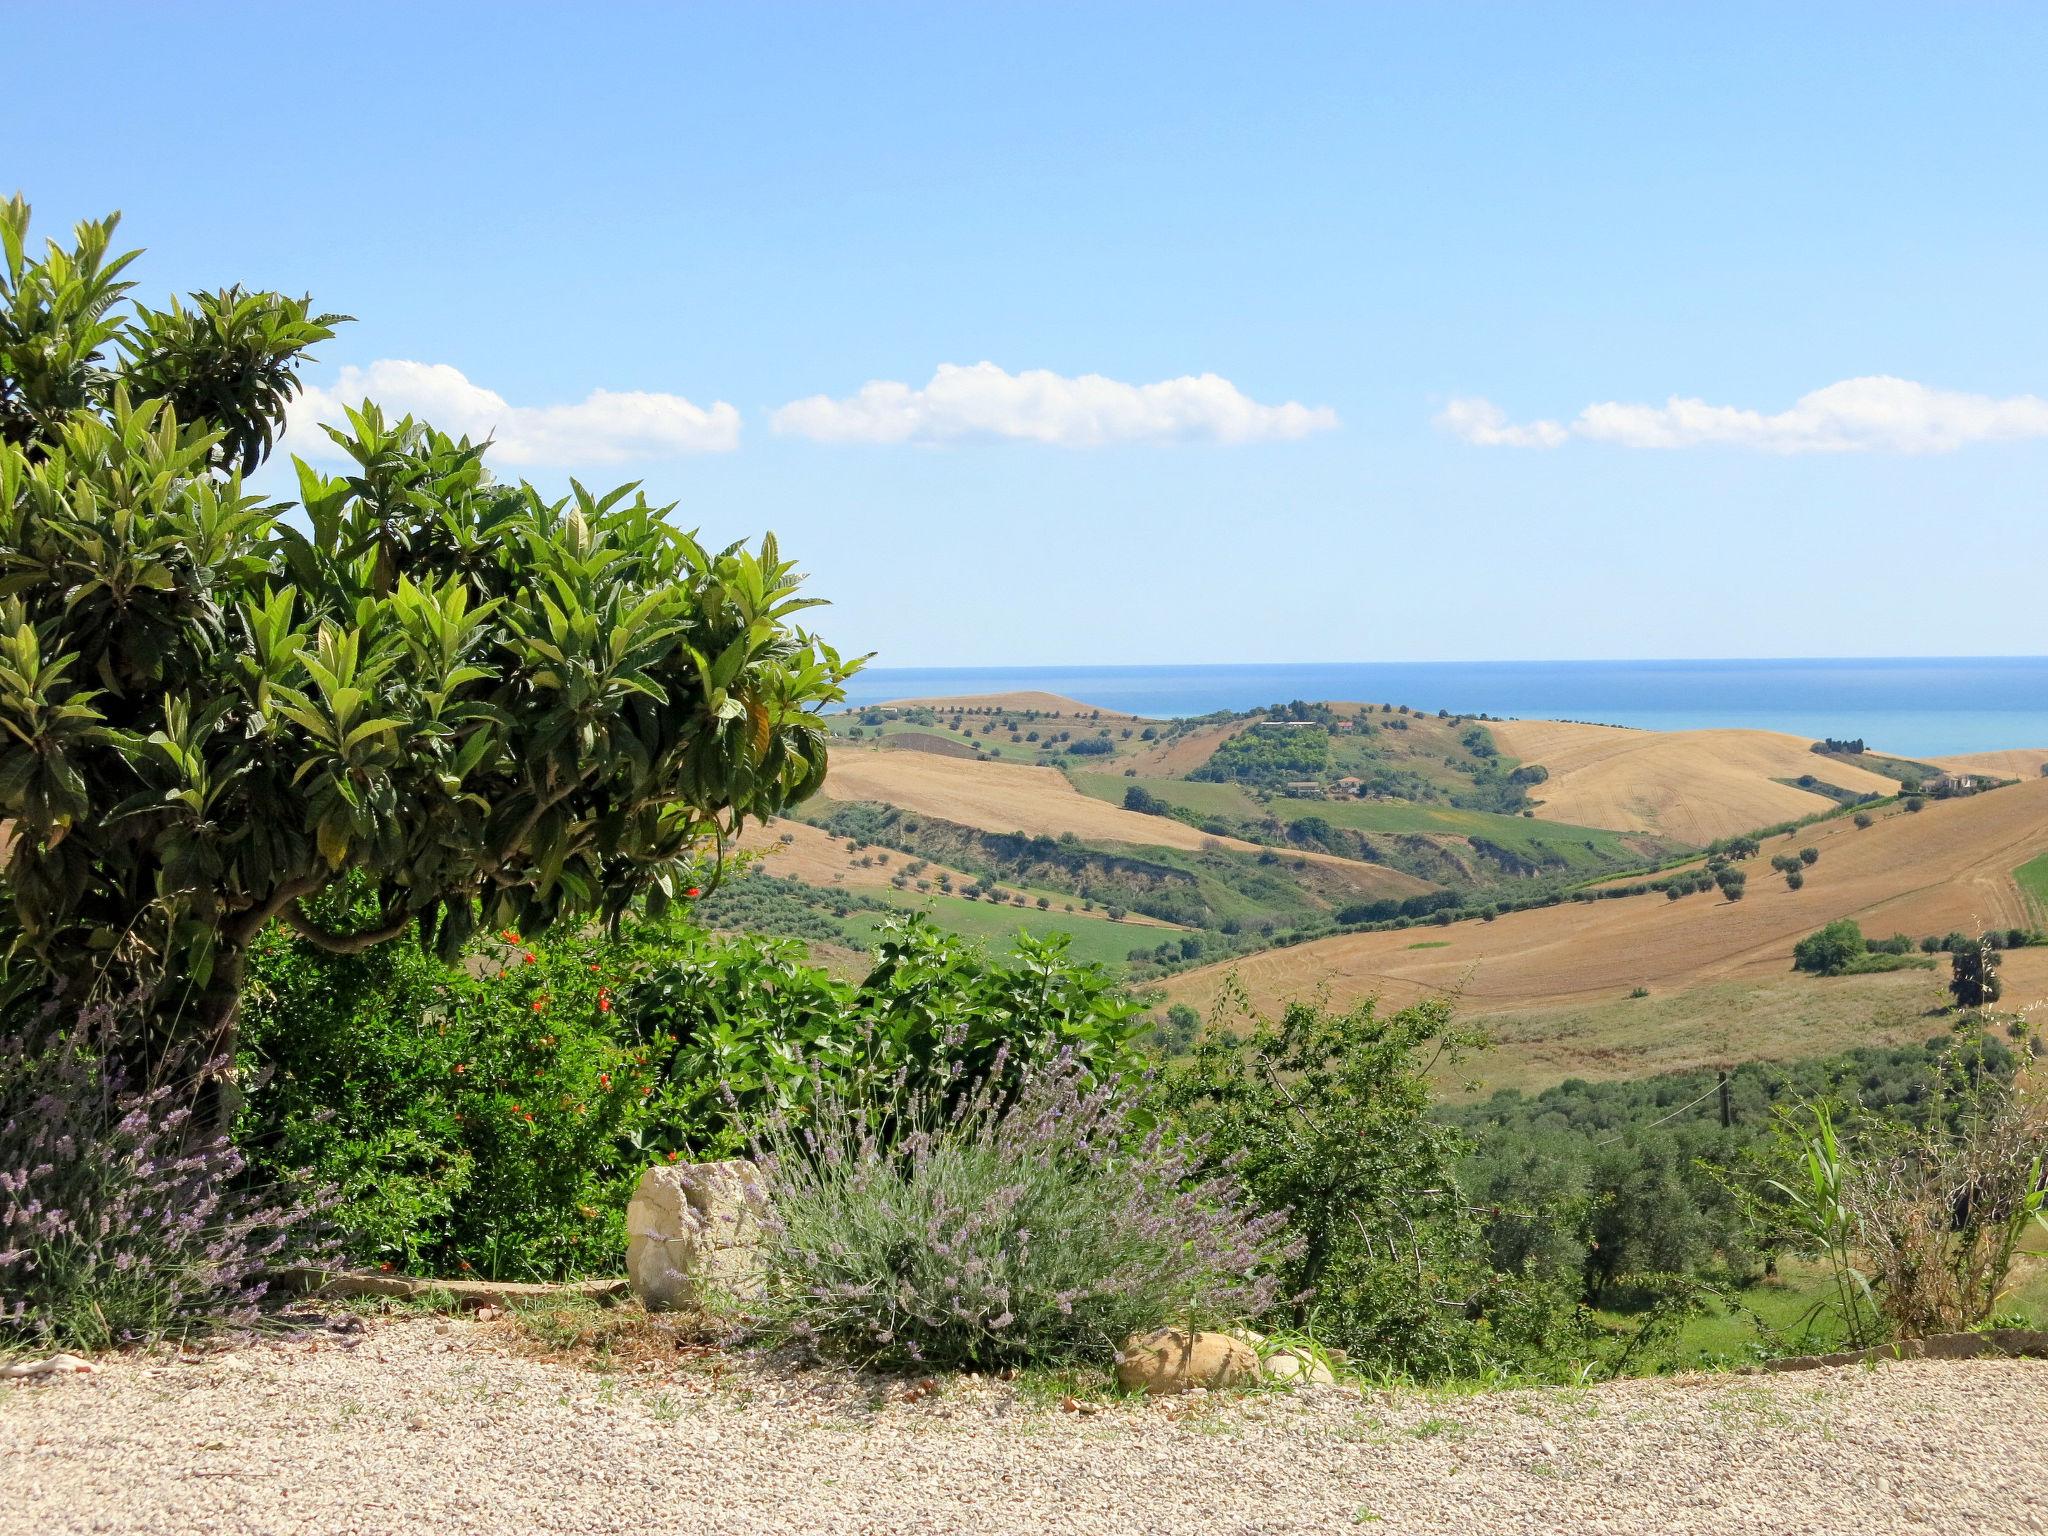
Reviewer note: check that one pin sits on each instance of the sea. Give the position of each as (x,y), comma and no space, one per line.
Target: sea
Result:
(1914,706)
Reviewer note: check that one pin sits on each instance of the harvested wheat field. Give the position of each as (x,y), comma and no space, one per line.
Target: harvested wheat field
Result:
(1018,797)
(442,1427)
(1946,867)
(2016,763)
(817,858)
(1014,703)
(1176,757)
(1691,785)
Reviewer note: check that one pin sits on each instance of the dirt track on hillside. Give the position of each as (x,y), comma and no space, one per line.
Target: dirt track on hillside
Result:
(1947,867)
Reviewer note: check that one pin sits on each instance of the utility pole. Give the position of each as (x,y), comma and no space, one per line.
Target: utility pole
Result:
(1727,1113)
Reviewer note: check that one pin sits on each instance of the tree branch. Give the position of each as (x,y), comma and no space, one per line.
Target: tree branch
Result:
(250,923)
(342,943)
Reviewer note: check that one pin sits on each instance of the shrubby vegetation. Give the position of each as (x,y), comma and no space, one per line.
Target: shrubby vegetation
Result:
(1917,1221)
(1270,756)
(761,902)
(1606,1187)
(1840,949)
(1327,1116)
(492,1116)
(455,700)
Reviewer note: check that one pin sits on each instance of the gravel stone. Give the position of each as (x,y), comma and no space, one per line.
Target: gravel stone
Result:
(414,1425)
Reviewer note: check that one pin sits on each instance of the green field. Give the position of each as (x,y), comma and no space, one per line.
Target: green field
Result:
(1231,801)
(1582,849)
(1763,1319)
(996,742)
(2033,882)
(1093,937)
(999,743)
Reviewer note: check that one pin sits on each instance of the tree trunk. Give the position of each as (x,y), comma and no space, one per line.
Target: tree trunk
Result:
(218,1096)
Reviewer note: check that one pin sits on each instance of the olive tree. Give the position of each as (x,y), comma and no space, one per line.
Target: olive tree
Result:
(460,699)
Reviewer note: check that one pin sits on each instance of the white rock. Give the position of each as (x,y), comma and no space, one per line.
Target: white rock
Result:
(1297,1369)
(55,1365)
(693,1233)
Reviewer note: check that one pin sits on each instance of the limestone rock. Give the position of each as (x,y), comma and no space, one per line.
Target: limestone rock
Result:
(1297,1368)
(55,1365)
(693,1233)
(1170,1360)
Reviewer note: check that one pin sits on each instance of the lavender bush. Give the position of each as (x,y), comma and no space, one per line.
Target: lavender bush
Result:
(120,1220)
(994,1230)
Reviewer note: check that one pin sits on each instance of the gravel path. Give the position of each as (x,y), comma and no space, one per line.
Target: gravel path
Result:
(418,1425)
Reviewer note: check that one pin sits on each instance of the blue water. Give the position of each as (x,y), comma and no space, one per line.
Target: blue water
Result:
(1916,706)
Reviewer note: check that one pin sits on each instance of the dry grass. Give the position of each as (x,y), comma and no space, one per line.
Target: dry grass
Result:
(817,858)
(611,1337)
(1691,785)
(1947,867)
(1710,1026)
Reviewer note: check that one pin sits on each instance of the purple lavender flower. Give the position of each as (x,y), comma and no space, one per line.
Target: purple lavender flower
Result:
(119,1220)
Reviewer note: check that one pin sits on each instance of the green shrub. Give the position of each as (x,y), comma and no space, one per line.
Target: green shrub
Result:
(1598,1184)
(1918,1224)
(983,1228)
(1877,961)
(1268,757)
(483,1116)
(1830,951)
(1327,1116)
(494,1115)
(1973,978)
(750,1027)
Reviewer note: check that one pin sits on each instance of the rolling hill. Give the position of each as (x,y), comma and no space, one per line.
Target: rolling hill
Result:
(1695,786)
(798,850)
(1024,702)
(2018,763)
(1186,852)
(1945,868)
(1016,797)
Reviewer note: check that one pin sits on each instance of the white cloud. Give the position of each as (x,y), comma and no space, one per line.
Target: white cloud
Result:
(604,427)
(984,403)
(1877,414)
(1483,422)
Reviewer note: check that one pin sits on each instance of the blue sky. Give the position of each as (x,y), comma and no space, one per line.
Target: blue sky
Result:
(1412,245)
